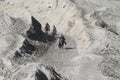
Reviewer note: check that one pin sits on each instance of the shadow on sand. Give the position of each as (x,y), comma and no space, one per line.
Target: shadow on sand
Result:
(68,48)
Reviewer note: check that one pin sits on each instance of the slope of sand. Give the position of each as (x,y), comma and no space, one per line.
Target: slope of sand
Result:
(91,27)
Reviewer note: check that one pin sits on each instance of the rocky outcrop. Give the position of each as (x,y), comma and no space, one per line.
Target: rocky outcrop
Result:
(22,42)
(47,73)
(36,72)
(35,44)
(35,32)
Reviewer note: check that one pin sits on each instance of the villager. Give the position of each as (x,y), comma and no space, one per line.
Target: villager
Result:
(47,28)
(54,32)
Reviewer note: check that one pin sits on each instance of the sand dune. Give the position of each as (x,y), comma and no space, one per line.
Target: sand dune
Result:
(91,28)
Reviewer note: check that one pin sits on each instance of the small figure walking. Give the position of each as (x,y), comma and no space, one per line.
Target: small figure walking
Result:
(62,41)
(54,32)
(47,28)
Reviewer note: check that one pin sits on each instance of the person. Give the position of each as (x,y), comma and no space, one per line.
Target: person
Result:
(47,28)
(62,41)
(54,30)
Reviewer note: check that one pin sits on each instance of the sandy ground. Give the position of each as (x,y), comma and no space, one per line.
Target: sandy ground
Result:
(92,29)
(65,61)
(60,59)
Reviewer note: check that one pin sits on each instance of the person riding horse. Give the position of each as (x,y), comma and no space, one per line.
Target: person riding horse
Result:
(62,41)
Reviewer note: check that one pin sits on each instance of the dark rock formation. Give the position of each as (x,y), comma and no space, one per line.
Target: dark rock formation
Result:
(47,73)
(26,48)
(35,32)
(36,41)
(40,75)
